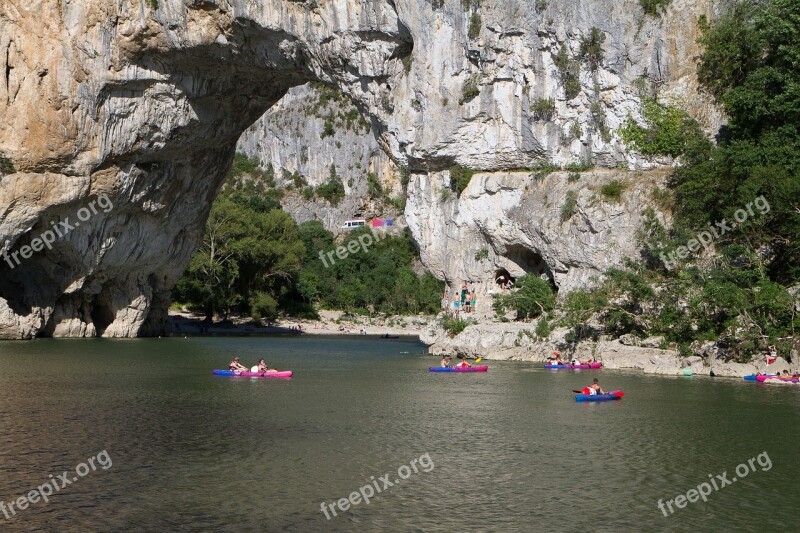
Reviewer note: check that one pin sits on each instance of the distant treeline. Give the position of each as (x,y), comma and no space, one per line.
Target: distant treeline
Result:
(255,260)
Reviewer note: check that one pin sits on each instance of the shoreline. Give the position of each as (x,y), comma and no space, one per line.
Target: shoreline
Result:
(491,342)
(330,323)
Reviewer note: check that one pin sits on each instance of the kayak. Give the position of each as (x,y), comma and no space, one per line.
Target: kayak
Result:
(762,379)
(610,395)
(754,377)
(781,382)
(232,373)
(776,379)
(574,367)
(482,368)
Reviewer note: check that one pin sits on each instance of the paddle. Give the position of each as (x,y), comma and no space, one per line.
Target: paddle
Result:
(478,360)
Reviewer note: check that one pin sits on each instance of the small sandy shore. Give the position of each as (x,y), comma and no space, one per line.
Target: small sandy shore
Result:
(330,323)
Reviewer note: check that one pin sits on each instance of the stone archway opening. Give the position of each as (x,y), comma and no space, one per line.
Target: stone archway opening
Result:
(530,262)
(102,316)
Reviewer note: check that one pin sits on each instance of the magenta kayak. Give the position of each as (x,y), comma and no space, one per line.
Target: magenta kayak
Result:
(268,374)
(775,379)
(482,368)
(588,366)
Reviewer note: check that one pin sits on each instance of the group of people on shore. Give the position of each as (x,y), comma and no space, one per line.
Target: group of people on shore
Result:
(457,302)
(237,366)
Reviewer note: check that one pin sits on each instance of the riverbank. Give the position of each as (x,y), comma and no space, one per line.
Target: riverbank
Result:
(516,341)
(492,341)
(329,323)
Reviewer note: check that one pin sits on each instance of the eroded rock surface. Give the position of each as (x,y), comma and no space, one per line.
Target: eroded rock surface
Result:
(142,102)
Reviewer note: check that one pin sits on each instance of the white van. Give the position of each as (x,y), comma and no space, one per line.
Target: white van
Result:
(352,224)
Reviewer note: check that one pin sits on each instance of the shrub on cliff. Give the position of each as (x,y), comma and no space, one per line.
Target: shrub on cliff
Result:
(667,130)
(470,89)
(454,326)
(475,23)
(654,7)
(460,178)
(569,71)
(543,109)
(591,50)
(333,189)
(6,165)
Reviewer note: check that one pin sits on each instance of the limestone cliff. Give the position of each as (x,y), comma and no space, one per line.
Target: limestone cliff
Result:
(315,130)
(142,103)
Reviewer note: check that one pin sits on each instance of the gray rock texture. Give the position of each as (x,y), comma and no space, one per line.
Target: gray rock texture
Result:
(143,102)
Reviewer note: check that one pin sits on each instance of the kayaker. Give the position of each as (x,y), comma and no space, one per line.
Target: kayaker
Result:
(594,388)
(262,366)
(464,363)
(445,362)
(237,366)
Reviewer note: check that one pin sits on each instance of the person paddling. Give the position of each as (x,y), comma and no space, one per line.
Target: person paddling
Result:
(464,363)
(237,366)
(594,388)
(445,362)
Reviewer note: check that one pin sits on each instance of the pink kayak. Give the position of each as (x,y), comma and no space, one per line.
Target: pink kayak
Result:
(776,379)
(588,366)
(268,374)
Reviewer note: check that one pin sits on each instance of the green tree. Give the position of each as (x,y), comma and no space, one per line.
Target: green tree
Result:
(532,297)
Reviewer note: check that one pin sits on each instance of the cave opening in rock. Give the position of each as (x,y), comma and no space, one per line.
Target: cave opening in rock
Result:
(102,316)
(531,262)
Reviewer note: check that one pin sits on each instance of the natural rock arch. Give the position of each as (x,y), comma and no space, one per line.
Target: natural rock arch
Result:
(142,102)
(108,100)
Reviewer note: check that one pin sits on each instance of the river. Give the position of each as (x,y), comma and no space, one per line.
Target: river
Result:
(175,448)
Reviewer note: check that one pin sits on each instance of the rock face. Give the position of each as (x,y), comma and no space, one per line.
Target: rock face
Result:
(142,103)
(311,131)
(560,226)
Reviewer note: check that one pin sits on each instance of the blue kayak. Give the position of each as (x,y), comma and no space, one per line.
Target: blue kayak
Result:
(752,377)
(482,368)
(610,395)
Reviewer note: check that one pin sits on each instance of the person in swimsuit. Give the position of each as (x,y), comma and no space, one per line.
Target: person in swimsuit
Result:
(237,366)
(593,389)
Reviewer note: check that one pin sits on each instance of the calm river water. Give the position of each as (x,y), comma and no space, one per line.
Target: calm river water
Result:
(177,449)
